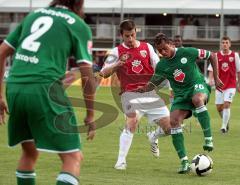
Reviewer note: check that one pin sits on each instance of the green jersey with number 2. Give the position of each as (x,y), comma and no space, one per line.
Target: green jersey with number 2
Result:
(37,61)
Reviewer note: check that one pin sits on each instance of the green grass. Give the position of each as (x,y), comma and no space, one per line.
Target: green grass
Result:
(143,169)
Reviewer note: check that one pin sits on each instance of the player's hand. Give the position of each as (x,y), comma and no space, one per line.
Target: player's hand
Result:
(89,121)
(219,84)
(3,110)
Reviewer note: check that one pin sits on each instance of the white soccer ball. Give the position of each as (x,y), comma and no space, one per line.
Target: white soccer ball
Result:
(202,164)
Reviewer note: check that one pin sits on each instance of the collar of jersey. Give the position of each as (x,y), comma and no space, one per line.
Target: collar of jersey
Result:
(138,44)
(174,53)
(61,6)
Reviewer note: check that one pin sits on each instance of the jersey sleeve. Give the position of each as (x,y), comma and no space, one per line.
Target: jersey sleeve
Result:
(203,54)
(199,53)
(112,58)
(12,39)
(237,62)
(82,49)
(153,56)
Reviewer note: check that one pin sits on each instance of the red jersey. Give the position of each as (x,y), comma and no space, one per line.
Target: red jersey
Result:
(137,70)
(227,69)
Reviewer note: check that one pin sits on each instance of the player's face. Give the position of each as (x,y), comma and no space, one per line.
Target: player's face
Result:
(129,38)
(177,42)
(165,49)
(226,45)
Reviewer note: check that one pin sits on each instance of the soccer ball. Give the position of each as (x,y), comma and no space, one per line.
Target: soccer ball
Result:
(202,164)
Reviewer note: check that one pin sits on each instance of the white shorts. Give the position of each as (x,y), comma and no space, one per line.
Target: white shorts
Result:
(226,95)
(147,104)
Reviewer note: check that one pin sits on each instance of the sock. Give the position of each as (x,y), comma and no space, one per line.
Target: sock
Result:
(65,178)
(159,132)
(204,120)
(124,145)
(225,117)
(25,177)
(178,142)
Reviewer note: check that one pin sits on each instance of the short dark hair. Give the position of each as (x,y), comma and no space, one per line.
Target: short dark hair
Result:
(127,25)
(159,38)
(226,38)
(178,37)
(73,5)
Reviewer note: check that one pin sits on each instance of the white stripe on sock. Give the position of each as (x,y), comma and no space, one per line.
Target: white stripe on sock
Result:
(201,109)
(25,175)
(67,178)
(176,130)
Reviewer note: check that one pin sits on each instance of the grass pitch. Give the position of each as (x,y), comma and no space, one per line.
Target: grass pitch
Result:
(143,169)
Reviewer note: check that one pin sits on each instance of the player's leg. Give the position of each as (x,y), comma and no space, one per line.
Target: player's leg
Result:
(199,100)
(176,118)
(219,101)
(228,98)
(25,170)
(163,129)
(70,170)
(125,140)
(132,117)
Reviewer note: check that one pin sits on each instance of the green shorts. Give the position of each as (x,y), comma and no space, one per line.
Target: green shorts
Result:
(184,102)
(41,113)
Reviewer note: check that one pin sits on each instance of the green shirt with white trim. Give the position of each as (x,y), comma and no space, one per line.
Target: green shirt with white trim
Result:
(181,70)
(44,41)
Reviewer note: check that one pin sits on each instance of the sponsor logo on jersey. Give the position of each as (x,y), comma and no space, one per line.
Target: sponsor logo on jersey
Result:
(26,58)
(137,66)
(179,76)
(183,60)
(225,66)
(89,46)
(231,59)
(143,53)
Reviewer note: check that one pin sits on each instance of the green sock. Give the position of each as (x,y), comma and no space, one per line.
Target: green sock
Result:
(65,178)
(178,142)
(25,177)
(204,120)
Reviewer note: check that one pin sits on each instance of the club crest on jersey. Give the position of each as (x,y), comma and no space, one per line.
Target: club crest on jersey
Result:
(137,66)
(179,76)
(225,67)
(183,60)
(143,53)
(231,59)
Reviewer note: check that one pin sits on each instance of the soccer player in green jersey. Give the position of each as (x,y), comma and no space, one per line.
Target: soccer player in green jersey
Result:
(39,111)
(191,92)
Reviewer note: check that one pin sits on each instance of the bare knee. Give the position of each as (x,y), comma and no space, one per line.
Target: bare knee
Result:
(132,123)
(219,107)
(29,151)
(72,158)
(175,122)
(198,100)
(165,124)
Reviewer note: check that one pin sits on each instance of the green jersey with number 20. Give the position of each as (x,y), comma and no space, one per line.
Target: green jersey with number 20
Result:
(181,70)
(44,41)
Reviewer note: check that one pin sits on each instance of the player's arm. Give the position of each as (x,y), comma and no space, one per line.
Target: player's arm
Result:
(5,51)
(111,64)
(237,62)
(214,64)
